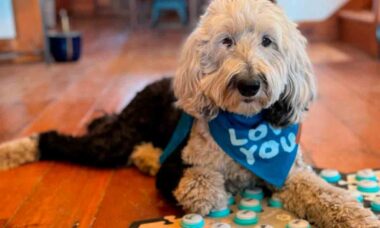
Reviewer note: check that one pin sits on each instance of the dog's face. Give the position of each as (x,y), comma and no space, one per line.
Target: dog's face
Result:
(245,56)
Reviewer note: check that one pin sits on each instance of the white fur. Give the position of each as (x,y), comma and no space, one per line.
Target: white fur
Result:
(17,152)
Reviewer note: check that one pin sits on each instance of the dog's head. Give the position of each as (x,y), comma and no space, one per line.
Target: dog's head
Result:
(245,56)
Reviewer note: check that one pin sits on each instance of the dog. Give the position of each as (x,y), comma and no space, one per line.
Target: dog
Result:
(245,58)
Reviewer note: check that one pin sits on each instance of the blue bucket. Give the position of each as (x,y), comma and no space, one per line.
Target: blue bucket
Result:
(65,47)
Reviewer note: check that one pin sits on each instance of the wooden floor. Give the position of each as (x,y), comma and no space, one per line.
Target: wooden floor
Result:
(341,131)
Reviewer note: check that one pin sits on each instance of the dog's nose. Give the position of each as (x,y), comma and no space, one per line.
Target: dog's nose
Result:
(248,88)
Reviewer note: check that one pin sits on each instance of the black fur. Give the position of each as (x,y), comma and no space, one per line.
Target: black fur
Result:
(279,113)
(150,117)
(171,172)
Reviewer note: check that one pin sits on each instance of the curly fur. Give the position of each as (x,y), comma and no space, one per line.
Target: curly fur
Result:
(199,176)
(146,158)
(208,69)
(18,152)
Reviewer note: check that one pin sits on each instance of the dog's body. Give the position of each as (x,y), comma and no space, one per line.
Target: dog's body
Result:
(244,57)
(150,117)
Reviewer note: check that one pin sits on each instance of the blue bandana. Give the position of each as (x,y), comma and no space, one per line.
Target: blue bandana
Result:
(252,142)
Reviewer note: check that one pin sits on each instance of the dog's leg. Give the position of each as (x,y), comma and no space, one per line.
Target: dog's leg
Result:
(200,190)
(146,158)
(110,140)
(310,197)
(18,152)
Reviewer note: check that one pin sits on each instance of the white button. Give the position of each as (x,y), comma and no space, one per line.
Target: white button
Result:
(249,202)
(254,191)
(375,204)
(329,173)
(192,219)
(220,225)
(368,186)
(376,200)
(298,223)
(245,215)
(221,209)
(275,202)
(357,195)
(366,174)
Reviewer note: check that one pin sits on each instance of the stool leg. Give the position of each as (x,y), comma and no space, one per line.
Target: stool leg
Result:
(155,16)
(182,15)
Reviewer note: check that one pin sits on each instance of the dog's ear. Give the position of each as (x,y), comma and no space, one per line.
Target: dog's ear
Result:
(186,81)
(300,89)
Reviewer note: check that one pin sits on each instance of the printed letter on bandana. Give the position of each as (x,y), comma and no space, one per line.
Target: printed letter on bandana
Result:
(292,143)
(259,133)
(269,149)
(234,140)
(276,131)
(249,154)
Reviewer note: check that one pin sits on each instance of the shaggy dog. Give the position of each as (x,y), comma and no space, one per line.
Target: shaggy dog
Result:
(245,57)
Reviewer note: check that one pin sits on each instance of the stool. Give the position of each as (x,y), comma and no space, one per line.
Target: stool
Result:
(176,5)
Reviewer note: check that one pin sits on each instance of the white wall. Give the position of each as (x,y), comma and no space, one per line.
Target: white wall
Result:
(7,25)
(310,10)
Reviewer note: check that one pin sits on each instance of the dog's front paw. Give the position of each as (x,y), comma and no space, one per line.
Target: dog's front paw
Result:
(201,190)
(362,218)
(308,196)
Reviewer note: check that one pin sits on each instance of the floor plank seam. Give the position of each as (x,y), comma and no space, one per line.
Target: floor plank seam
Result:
(29,195)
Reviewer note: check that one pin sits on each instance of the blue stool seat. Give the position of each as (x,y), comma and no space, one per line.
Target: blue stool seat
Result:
(179,6)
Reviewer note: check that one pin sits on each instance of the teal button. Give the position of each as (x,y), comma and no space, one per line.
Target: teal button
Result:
(375,205)
(192,221)
(245,218)
(253,208)
(368,186)
(219,213)
(275,202)
(366,174)
(330,175)
(373,178)
(231,199)
(255,193)
(358,196)
(250,204)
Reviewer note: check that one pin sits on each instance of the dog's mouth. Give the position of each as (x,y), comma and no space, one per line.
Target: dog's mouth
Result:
(248,100)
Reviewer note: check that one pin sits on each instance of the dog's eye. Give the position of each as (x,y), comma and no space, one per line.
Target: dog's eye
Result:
(228,42)
(266,41)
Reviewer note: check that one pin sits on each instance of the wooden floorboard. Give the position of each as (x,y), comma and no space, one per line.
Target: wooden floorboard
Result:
(129,198)
(16,185)
(65,196)
(355,110)
(340,130)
